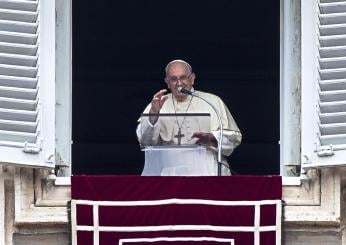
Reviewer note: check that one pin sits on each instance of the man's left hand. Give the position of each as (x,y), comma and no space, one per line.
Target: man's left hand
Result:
(205,139)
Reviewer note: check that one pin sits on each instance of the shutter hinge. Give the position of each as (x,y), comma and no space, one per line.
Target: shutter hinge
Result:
(31,148)
(325,151)
(59,161)
(306,159)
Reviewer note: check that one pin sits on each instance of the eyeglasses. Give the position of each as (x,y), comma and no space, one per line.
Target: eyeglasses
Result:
(174,80)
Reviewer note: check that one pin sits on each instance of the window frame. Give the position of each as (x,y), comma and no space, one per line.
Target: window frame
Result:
(63,92)
(290,90)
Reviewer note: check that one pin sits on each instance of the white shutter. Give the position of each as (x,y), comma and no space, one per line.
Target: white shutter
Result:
(328,85)
(27,77)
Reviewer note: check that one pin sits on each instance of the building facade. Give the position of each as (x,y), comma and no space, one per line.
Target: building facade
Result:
(35,121)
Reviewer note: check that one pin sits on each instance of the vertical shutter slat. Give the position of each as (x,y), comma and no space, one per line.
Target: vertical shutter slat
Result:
(333,41)
(17,48)
(15,15)
(333,129)
(20,71)
(21,82)
(330,96)
(332,19)
(14,136)
(333,30)
(333,84)
(18,93)
(333,7)
(20,27)
(335,117)
(338,139)
(18,115)
(20,38)
(332,107)
(330,52)
(327,74)
(17,104)
(20,60)
(19,126)
(331,1)
(23,5)
(330,63)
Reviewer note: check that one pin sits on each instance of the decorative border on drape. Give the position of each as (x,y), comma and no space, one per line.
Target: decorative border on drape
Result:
(96,228)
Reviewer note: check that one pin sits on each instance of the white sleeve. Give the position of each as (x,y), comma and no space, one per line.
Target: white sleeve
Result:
(230,140)
(147,133)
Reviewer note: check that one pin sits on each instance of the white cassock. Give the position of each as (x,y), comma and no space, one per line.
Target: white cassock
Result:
(181,161)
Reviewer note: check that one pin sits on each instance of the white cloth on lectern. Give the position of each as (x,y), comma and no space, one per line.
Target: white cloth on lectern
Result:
(163,132)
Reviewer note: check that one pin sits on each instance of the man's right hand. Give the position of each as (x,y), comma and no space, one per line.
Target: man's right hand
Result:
(156,104)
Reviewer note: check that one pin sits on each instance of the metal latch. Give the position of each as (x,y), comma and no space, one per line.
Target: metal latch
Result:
(325,151)
(31,148)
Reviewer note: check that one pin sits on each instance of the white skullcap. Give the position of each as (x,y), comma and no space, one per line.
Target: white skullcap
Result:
(178,61)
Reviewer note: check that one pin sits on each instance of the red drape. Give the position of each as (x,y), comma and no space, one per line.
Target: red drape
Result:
(134,210)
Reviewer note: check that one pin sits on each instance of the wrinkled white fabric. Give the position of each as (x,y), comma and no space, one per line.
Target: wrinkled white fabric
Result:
(163,132)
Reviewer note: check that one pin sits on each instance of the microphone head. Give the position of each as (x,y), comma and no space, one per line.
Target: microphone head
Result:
(184,91)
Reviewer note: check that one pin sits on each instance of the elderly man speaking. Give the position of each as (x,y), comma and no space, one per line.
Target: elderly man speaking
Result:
(154,130)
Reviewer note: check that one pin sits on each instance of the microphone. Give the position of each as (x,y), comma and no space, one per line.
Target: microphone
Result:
(219,148)
(184,91)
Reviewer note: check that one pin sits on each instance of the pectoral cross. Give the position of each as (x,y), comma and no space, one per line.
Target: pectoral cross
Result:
(179,136)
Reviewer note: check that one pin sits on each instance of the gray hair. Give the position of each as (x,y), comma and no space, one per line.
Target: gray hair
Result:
(189,68)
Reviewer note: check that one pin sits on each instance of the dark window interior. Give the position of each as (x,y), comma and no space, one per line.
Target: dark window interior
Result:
(120,49)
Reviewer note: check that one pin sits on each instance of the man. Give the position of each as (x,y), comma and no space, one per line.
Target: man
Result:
(158,130)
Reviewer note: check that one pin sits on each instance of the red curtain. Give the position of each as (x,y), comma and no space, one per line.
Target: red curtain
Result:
(134,210)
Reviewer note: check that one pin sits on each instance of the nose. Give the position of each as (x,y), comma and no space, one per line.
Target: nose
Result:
(179,82)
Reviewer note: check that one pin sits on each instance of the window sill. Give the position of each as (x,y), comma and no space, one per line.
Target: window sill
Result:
(62,181)
(291,181)
(286,181)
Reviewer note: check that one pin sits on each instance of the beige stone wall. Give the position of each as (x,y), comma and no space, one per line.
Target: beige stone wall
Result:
(315,211)
(33,210)
(308,237)
(40,239)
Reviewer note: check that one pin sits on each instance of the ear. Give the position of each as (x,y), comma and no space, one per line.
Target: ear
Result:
(193,77)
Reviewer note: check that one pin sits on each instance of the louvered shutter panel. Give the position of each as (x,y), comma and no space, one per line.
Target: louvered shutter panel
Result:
(25,84)
(330,145)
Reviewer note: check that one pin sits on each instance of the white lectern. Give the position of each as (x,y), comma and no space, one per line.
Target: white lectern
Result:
(170,149)
(184,160)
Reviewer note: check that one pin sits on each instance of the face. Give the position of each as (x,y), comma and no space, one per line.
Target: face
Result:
(178,75)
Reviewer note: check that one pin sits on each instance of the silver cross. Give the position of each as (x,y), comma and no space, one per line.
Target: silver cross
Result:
(179,136)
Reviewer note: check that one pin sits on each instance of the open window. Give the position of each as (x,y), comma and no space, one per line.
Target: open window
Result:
(118,69)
